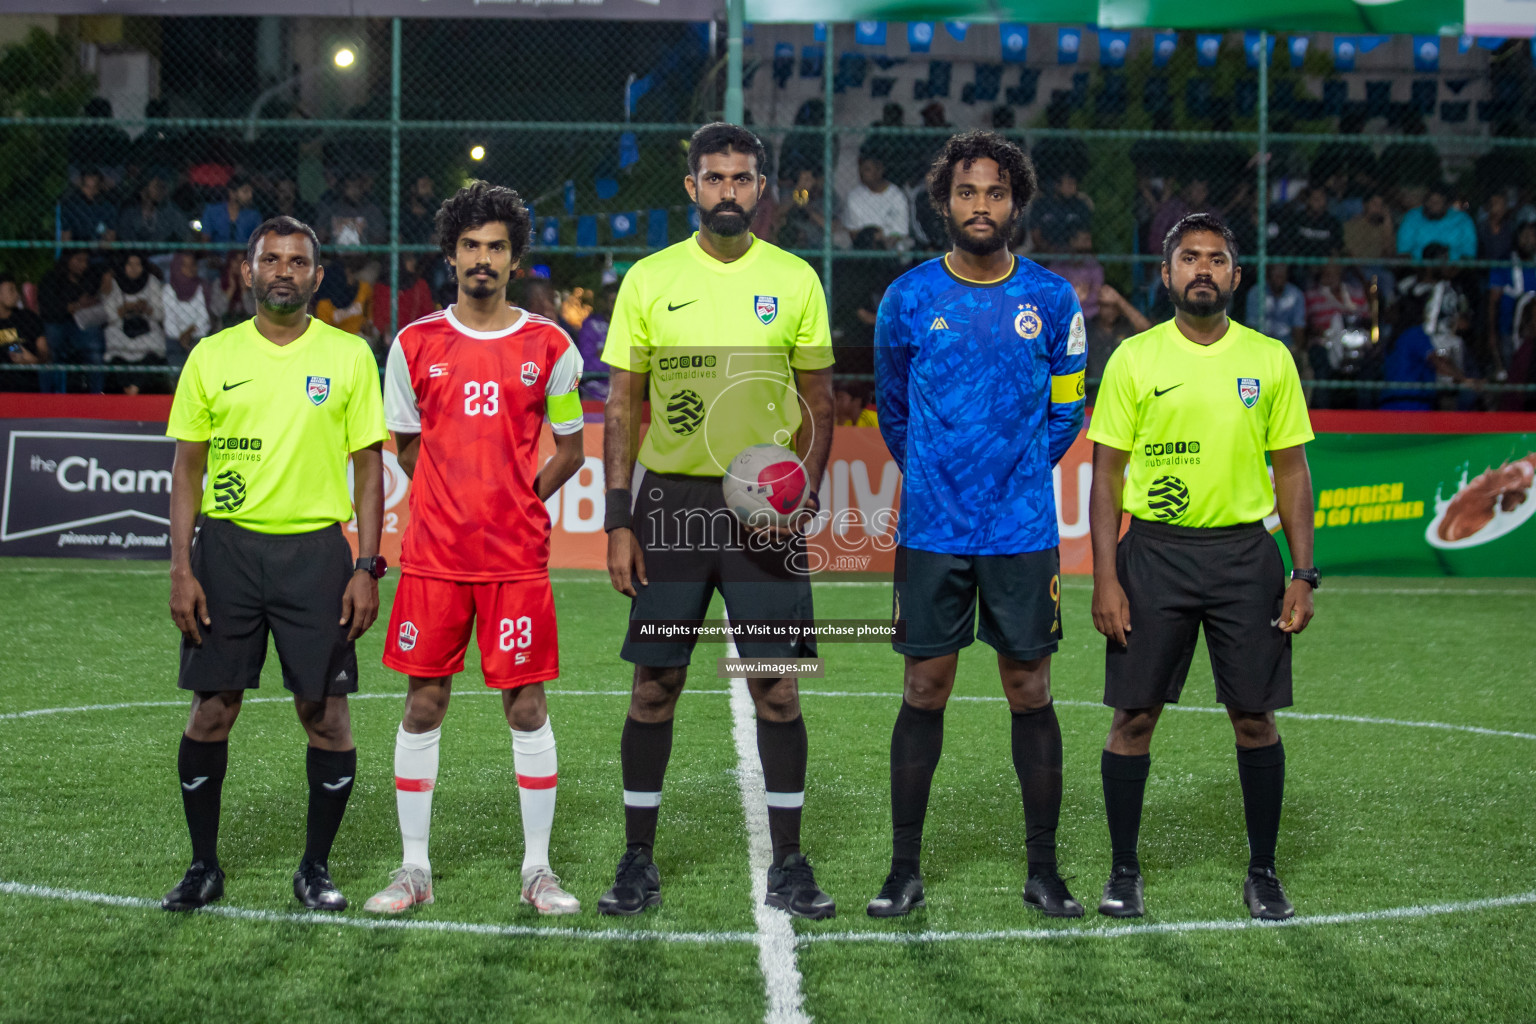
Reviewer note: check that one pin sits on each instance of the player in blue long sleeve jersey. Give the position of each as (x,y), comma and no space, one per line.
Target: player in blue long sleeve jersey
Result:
(979,360)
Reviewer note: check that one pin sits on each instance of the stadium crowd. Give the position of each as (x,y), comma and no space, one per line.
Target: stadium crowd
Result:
(1378,290)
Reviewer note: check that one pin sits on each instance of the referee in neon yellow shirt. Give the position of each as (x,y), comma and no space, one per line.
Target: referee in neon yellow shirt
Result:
(1191,407)
(273,409)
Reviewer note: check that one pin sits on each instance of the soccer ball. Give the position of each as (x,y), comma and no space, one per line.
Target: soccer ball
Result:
(765,485)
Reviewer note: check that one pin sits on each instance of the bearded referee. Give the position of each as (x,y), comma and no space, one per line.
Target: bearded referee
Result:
(1192,406)
(273,409)
(979,359)
(731,334)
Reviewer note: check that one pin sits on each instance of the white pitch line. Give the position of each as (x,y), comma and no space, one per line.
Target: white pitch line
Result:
(775,935)
(386,924)
(1173,927)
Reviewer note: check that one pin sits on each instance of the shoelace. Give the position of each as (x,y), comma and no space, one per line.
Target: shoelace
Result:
(800,874)
(1122,886)
(1267,887)
(893,886)
(1056,887)
(631,870)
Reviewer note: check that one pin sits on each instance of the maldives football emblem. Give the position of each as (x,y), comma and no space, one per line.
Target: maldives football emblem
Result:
(767,307)
(1248,390)
(318,389)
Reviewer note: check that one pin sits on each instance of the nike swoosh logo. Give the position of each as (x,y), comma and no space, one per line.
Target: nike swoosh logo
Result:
(1159,394)
(334,786)
(673,309)
(231,387)
(189,787)
(1274,622)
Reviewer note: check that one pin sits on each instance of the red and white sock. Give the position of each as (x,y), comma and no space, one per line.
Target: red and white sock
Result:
(415,778)
(533,756)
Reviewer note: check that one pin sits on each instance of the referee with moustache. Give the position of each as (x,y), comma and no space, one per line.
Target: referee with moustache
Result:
(1192,406)
(272,409)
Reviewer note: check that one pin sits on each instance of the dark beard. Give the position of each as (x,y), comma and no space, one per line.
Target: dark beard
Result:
(1200,310)
(979,246)
(281,307)
(476,288)
(728,220)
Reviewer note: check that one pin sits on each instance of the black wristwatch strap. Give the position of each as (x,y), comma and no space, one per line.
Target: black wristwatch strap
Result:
(1309,576)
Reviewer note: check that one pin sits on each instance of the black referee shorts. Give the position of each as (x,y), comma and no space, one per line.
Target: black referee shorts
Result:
(1231,580)
(937,595)
(692,546)
(286,585)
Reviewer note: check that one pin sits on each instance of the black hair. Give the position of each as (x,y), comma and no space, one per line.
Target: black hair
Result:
(1199,222)
(480,203)
(968,147)
(1438,188)
(1435,251)
(6,277)
(237,181)
(282,226)
(721,137)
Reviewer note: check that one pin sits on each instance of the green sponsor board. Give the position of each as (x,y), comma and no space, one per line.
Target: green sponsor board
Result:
(1424,504)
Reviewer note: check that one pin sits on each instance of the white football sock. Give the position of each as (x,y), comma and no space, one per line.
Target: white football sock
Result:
(533,756)
(415,778)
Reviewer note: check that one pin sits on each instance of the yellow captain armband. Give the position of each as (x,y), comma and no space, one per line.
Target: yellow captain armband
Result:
(564,408)
(1068,389)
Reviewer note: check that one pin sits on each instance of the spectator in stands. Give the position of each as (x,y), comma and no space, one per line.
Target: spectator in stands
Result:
(184,304)
(235,218)
(230,301)
(1279,309)
(591,338)
(154,218)
(1333,300)
(415,297)
(352,218)
(876,203)
(1522,364)
(286,203)
(1116,320)
(1084,271)
(69,299)
(1495,229)
(1437,221)
(100,145)
(345,298)
(851,401)
(23,339)
(419,211)
(85,214)
(1506,288)
(1195,198)
(1309,229)
(1413,358)
(801,221)
(1057,217)
(135,331)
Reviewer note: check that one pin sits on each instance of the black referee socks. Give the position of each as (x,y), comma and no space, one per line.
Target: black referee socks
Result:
(1037,760)
(201,767)
(1261,770)
(644,750)
(782,748)
(1125,787)
(916,742)
(330,784)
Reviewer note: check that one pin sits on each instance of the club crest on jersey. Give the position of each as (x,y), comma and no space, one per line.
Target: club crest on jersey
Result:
(407,635)
(766,307)
(1028,323)
(530,372)
(1248,390)
(1077,337)
(318,389)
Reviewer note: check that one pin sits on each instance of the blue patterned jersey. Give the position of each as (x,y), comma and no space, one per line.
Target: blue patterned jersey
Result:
(980,393)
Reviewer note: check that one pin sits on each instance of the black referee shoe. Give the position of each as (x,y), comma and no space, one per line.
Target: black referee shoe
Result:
(636,886)
(200,886)
(313,886)
(901,893)
(1049,895)
(1265,896)
(792,888)
(1122,894)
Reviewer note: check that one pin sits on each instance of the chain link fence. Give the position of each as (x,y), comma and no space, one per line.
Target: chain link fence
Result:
(1385,210)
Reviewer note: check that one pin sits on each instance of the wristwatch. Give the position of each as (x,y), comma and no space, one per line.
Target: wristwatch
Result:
(375,566)
(1310,576)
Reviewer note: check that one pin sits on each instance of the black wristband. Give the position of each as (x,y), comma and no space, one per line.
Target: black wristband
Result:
(616,513)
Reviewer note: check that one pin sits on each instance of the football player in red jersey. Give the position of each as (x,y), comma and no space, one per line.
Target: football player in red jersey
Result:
(466,393)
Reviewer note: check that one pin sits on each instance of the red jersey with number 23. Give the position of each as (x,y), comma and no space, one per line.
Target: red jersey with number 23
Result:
(479,401)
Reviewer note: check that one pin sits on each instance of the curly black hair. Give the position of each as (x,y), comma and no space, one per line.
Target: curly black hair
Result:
(1199,222)
(479,203)
(968,147)
(721,137)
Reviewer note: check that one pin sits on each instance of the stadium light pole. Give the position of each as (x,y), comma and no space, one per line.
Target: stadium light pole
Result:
(735,21)
(343,58)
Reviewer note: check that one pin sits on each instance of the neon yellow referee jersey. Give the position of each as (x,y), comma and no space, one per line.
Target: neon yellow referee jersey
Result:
(721,342)
(280,422)
(1198,420)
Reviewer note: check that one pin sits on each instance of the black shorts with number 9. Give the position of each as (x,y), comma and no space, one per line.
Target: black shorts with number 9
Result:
(938,596)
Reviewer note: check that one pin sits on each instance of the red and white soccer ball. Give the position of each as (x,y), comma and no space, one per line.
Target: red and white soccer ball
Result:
(765,485)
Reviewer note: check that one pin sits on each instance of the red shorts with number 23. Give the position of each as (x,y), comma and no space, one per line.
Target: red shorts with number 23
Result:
(430,624)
